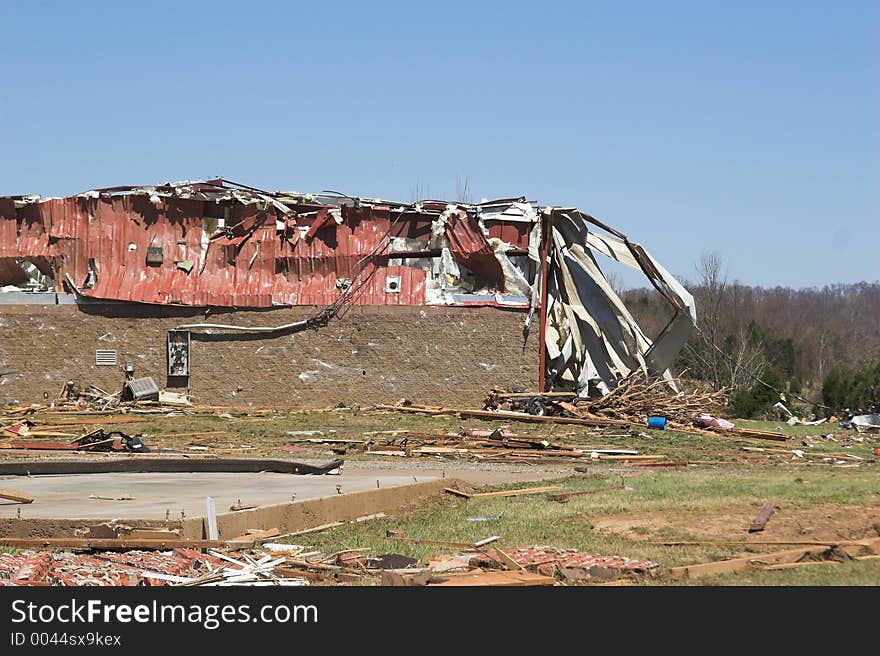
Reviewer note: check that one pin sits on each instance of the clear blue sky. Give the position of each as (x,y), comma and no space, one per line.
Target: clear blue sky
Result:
(750,128)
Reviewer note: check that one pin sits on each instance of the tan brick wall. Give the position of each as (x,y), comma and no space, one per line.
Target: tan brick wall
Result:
(372,355)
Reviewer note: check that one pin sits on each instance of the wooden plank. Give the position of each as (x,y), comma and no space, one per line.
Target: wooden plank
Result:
(505,578)
(750,432)
(741,564)
(632,458)
(123,543)
(15,495)
(314,529)
(506,415)
(564,496)
(457,493)
(259,535)
(152,534)
(809,563)
(760,520)
(508,561)
(515,493)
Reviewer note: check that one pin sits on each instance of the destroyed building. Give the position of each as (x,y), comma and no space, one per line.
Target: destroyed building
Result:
(209,287)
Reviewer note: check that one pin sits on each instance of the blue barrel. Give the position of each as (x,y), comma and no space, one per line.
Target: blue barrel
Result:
(657,422)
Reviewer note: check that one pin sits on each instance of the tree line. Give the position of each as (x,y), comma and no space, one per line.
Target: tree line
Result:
(821,344)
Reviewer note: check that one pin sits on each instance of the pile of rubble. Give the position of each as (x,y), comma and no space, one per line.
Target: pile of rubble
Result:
(634,400)
(139,568)
(499,445)
(522,566)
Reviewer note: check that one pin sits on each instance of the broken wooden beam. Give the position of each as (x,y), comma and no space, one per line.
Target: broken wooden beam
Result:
(750,432)
(502,578)
(514,416)
(797,565)
(741,564)
(503,493)
(763,516)
(15,495)
(508,561)
(258,535)
(314,529)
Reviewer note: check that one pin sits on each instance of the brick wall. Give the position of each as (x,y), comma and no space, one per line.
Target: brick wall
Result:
(431,355)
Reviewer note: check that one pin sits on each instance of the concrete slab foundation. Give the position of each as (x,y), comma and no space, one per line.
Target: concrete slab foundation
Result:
(63,507)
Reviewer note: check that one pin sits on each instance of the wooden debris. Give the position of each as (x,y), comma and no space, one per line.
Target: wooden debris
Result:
(503,493)
(366,518)
(15,495)
(508,561)
(314,529)
(502,578)
(808,563)
(258,535)
(514,416)
(741,564)
(458,493)
(763,516)
(151,534)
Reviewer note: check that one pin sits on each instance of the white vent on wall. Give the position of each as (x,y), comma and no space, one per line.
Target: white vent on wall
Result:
(392,285)
(105,358)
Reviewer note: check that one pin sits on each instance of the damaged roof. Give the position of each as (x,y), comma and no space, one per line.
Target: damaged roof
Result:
(218,243)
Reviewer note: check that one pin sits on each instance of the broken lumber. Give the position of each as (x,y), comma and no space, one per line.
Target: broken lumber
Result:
(314,529)
(503,578)
(152,534)
(258,535)
(508,561)
(763,516)
(796,565)
(741,564)
(503,493)
(750,432)
(515,416)
(15,495)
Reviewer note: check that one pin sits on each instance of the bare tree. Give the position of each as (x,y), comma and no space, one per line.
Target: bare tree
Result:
(711,286)
(615,281)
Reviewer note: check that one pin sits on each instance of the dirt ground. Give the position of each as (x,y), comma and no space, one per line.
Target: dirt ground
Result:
(825,522)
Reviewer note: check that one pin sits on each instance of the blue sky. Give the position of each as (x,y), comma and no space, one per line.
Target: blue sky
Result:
(748,128)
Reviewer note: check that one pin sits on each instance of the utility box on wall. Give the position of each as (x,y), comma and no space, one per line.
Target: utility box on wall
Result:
(178,352)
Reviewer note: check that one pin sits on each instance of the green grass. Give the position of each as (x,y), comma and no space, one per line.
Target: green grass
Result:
(690,496)
(533,519)
(266,434)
